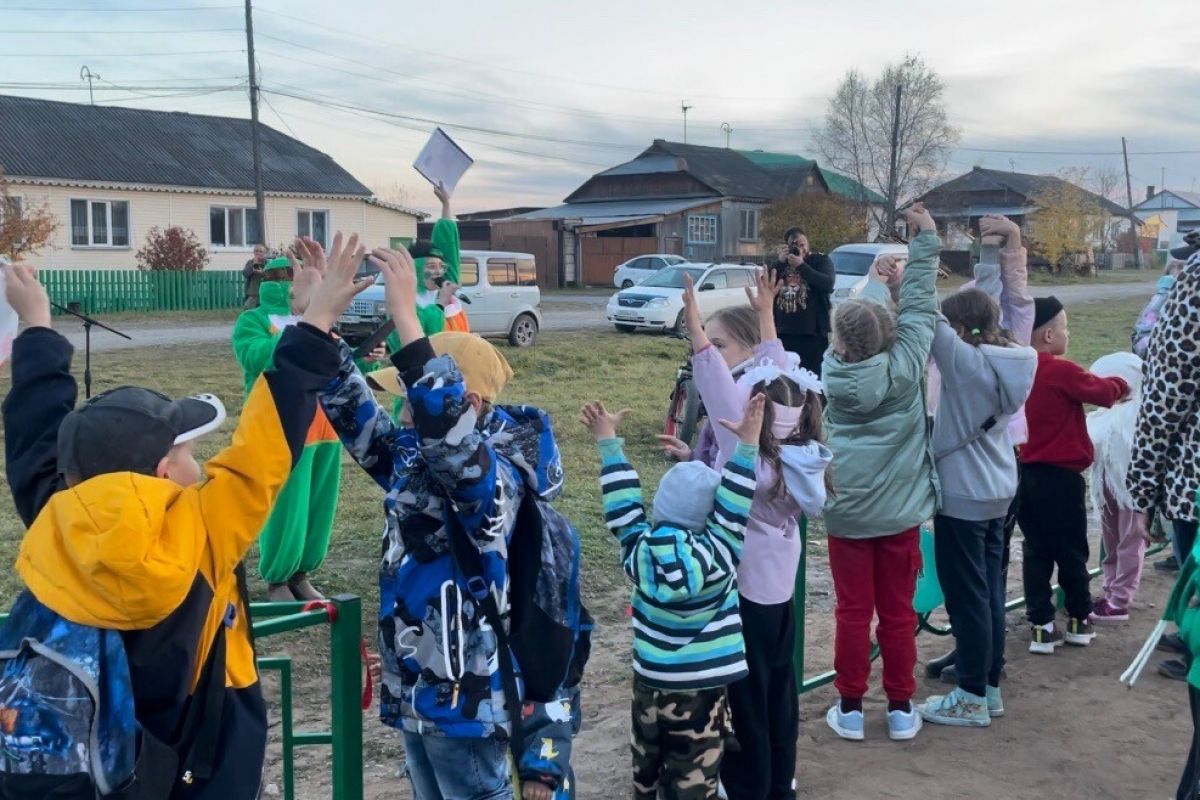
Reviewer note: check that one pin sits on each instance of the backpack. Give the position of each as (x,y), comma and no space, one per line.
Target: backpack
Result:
(549,630)
(68,726)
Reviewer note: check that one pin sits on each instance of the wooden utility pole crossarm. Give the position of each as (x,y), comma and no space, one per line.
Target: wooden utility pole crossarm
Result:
(260,206)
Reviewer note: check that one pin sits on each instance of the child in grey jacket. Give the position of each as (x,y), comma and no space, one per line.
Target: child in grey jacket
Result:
(985,380)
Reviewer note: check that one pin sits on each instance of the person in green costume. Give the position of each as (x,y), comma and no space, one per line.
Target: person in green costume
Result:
(295,539)
(438,262)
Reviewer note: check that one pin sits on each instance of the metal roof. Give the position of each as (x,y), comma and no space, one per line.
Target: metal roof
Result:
(982,211)
(612,210)
(1027,186)
(57,141)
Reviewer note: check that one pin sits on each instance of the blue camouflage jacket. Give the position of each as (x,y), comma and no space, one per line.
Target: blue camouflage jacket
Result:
(439,656)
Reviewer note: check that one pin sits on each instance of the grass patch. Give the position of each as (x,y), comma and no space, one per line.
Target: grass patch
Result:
(1043,278)
(562,372)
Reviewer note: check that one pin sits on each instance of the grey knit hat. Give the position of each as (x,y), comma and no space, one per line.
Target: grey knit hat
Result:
(685,495)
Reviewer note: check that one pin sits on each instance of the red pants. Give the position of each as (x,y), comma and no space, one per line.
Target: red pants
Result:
(875,576)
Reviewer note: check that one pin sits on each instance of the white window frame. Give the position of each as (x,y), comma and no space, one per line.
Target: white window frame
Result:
(697,225)
(245,247)
(742,235)
(91,228)
(328,223)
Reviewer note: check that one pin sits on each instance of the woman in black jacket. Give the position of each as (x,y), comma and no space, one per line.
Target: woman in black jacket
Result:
(802,307)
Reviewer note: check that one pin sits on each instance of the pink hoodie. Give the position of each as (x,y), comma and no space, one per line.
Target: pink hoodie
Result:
(1009,284)
(771,553)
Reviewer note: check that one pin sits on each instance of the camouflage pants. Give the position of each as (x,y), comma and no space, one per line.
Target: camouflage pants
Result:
(677,739)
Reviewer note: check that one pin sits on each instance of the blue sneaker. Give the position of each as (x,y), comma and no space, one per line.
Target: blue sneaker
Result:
(903,725)
(956,708)
(995,703)
(846,724)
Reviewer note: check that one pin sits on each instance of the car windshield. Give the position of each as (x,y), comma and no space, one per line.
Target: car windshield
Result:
(672,277)
(848,263)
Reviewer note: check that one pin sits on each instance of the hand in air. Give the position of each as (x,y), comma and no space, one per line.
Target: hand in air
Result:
(597,419)
(750,428)
(337,286)
(675,448)
(27,296)
(767,286)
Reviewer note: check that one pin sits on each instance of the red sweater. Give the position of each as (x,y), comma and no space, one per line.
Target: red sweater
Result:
(1057,426)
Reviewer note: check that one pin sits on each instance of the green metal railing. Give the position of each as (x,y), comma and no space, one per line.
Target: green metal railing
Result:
(807,684)
(343,615)
(109,291)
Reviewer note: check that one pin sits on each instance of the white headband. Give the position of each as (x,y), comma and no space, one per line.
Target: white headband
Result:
(767,372)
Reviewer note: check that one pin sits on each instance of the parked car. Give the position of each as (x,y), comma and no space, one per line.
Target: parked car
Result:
(853,261)
(636,270)
(501,295)
(657,303)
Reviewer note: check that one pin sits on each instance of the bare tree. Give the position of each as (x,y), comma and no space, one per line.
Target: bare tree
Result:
(1108,182)
(857,135)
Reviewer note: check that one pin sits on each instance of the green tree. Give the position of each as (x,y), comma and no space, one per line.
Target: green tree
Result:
(1067,223)
(828,220)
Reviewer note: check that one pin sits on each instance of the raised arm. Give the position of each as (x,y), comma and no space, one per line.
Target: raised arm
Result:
(43,391)
(917,311)
(818,272)
(1011,285)
(1084,387)
(445,238)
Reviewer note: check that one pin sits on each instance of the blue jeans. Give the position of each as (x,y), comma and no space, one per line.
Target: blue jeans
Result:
(441,768)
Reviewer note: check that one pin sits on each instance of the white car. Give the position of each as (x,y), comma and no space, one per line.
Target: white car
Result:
(499,290)
(636,270)
(657,303)
(853,261)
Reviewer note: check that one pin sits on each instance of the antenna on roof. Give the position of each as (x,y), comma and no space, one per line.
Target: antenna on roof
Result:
(86,74)
(728,133)
(686,108)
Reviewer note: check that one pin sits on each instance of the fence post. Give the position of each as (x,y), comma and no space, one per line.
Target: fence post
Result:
(345,673)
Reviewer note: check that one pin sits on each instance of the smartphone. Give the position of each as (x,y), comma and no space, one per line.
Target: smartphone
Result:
(377,338)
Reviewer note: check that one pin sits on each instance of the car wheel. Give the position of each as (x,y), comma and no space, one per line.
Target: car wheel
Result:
(626,328)
(627,285)
(524,331)
(680,327)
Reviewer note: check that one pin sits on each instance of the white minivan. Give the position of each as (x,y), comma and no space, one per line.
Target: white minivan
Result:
(499,292)
(851,262)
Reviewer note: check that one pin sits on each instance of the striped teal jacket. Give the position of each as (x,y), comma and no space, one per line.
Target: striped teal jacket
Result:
(687,627)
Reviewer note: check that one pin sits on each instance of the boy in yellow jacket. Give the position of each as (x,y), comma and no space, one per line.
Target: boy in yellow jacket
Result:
(125,535)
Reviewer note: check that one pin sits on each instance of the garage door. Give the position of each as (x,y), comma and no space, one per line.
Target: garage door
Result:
(602,254)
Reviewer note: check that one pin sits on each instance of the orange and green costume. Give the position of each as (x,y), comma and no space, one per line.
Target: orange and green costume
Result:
(296,536)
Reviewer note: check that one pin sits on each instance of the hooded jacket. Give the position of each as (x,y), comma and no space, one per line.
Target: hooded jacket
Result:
(152,559)
(771,553)
(440,662)
(882,469)
(1111,431)
(983,387)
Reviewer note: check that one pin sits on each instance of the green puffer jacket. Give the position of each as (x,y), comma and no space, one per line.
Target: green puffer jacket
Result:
(882,471)
(1184,610)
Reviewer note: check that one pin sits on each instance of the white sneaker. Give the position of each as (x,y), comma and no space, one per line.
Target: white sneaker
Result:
(846,724)
(903,725)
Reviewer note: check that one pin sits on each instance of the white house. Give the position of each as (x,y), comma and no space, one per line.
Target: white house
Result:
(1179,213)
(111,174)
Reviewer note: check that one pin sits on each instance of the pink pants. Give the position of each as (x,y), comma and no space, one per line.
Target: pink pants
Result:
(1124,550)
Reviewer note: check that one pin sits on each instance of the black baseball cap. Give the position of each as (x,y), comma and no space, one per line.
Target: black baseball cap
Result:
(130,429)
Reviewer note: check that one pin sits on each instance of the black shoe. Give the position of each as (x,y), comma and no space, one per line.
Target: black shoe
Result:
(1168,564)
(1174,669)
(1171,643)
(938,666)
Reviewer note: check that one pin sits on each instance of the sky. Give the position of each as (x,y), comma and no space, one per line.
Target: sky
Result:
(544,93)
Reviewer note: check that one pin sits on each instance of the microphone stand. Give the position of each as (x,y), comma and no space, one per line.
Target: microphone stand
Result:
(88,322)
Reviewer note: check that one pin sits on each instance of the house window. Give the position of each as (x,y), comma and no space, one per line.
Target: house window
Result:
(748,224)
(99,223)
(702,229)
(232,226)
(314,224)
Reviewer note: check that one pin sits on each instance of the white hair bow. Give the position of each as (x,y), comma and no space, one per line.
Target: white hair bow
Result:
(767,372)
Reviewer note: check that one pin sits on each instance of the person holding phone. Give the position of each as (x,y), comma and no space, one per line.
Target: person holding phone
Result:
(802,307)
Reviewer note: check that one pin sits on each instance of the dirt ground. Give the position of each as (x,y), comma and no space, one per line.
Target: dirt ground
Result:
(1071,730)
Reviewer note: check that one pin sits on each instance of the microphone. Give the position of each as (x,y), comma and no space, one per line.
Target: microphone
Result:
(438,283)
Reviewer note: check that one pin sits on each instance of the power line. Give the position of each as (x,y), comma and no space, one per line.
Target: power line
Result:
(120,55)
(124,33)
(117,10)
(280,117)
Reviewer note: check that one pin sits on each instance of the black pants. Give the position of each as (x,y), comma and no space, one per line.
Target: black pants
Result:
(968,561)
(811,349)
(1183,537)
(766,708)
(1010,525)
(1189,783)
(1053,518)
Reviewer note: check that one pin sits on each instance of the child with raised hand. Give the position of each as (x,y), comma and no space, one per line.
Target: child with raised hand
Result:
(687,630)
(1052,508)
(790,471)
(883,479)
(165,539)
(985,381)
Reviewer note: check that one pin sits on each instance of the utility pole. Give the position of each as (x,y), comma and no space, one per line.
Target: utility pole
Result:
(86,74)
(725,126)
(894,166)
(260,205)
(1133,237)
(686,108)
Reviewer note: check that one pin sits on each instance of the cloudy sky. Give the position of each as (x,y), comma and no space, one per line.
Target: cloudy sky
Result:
(546,92)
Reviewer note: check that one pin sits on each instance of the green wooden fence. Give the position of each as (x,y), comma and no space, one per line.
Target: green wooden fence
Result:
(109,291)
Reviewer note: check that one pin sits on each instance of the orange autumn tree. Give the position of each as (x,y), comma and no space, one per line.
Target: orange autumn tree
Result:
(25,226)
